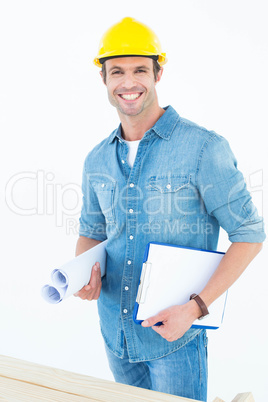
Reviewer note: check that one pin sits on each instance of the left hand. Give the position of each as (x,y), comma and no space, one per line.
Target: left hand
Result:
(176,320)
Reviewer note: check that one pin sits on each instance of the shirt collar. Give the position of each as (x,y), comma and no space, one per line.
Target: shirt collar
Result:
(163,127)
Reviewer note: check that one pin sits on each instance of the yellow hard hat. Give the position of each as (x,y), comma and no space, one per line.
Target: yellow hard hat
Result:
(129,38)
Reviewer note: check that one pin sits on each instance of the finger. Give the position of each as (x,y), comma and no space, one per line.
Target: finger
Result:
(159,329)
(77,294)
(153,320)
(95,276)
(163,331)
(91,296)
(98,291)
(92,289)
(82,292)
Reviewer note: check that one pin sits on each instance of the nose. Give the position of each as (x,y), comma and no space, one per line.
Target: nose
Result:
(129,80)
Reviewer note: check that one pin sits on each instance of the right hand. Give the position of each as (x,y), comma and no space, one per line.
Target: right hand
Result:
(93,289)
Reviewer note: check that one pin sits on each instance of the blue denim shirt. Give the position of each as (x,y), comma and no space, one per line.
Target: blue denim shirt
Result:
(183,186)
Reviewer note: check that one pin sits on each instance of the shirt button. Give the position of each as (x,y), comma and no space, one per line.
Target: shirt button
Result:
(131,185)
(123,161)
(126,287)
(130,211)
(131,237)
(102,185)
(129,262)
(168,186)
(125,311)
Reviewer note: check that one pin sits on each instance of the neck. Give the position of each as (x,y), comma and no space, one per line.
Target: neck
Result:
(134,127)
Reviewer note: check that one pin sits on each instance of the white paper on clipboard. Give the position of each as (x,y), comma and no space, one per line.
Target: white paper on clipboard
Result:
(174,274)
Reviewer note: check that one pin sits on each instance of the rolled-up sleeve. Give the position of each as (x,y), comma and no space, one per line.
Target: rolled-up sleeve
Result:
(224,192)
(92,221)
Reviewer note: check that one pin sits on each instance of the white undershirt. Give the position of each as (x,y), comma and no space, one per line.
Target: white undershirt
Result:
(132,151)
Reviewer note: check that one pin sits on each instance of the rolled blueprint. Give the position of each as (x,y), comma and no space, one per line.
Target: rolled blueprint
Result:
(74,275)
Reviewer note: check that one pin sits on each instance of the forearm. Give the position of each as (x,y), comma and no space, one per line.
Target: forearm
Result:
(232,265)
(84,243)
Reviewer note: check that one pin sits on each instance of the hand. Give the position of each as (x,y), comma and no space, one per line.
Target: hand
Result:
(176,320)
(93,289)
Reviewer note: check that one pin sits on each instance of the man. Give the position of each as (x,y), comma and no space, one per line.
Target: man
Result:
(158,177)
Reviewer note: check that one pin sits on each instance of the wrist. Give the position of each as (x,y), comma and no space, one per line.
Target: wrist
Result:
(195,310)
(201,304)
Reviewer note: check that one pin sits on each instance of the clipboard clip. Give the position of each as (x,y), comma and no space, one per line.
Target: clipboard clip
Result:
(144,282)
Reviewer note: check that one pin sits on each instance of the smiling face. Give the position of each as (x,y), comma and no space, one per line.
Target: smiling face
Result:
(131,84)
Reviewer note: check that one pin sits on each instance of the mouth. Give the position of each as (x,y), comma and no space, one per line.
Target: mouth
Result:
(130,96)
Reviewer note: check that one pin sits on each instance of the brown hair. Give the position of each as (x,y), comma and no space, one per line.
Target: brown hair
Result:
(156,69)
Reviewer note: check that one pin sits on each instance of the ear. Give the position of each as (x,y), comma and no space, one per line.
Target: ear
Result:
(101,74)
(159,75)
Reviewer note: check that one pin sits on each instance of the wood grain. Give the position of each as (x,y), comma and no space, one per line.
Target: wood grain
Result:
(22,381)
(14,390)
(36,378)
(244,397)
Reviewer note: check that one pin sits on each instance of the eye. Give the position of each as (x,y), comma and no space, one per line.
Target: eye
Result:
(116,72)
(140,71)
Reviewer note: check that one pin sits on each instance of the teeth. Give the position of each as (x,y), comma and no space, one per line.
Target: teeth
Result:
(130,96)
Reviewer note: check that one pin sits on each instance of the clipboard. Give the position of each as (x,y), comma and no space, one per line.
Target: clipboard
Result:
(170,274)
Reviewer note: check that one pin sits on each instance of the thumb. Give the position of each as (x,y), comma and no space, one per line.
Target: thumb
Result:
(152,320)
(95,275)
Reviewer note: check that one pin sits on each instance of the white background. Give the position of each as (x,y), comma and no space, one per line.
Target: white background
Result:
(54,109)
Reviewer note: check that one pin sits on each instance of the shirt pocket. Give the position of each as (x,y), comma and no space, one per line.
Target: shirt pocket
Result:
(167,197)
(104,188)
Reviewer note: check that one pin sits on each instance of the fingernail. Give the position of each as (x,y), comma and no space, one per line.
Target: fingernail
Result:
(145,323)
(97,266)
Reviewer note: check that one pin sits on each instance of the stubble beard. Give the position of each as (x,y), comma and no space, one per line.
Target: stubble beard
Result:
(127,111)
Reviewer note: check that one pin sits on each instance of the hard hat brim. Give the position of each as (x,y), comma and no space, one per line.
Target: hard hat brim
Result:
(98,61)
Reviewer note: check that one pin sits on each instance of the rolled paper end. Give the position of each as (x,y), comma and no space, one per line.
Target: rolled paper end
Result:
(59,278)
(51,294)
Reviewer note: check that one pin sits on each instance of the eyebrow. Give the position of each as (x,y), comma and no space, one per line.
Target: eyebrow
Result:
(136,68)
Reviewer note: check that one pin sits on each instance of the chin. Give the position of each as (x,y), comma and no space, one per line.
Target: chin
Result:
(129,112)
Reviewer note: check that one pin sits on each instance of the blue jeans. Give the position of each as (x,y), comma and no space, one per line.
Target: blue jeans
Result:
(182,373)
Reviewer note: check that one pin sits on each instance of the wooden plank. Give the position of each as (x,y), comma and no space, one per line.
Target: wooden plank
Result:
(77,384)
(244,397)
(20,391)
